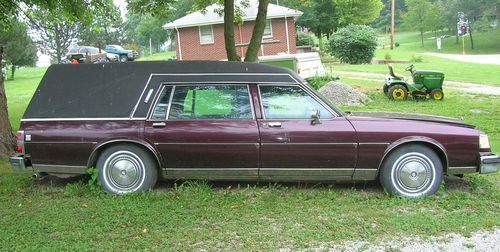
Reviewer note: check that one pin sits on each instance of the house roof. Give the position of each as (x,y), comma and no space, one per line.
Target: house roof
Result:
(211,16)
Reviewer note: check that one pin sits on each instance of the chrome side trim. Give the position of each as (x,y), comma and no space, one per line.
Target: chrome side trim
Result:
(83,119)
(184,143)
(364,174)
(148,96)
(374,143)
(288,143)
(61,142)
(212,173)
(323,173)
(65,169)
(461,170)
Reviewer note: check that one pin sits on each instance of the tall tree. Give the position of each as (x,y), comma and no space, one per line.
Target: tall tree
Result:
(422,15)
(55,32)
(106,27)
(75,10)
(16,55)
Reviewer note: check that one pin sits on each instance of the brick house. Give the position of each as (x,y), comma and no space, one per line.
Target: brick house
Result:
(200,36)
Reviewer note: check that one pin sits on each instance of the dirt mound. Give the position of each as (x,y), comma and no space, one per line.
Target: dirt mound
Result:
(341,94)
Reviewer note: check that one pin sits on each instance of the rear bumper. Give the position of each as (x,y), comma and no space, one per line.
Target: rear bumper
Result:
(489,164)
(19,163)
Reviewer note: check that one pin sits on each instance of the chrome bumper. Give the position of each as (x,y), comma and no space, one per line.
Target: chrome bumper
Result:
(489,164)
(19,164)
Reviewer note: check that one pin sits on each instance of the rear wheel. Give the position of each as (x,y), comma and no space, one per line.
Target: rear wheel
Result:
(386,89)
(412,171)
(397,92)
(126,169)
(437,94)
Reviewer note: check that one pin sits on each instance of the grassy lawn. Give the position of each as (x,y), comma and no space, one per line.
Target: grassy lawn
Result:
(486,42)
(67,215)
(158,56)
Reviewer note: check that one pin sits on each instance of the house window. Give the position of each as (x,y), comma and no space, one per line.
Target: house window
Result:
(268,31)
(206,34)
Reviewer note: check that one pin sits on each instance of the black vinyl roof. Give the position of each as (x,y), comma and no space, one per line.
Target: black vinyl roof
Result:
(113,90)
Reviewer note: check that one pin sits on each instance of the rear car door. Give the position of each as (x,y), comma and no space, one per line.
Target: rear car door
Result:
(292,148)
(205,131)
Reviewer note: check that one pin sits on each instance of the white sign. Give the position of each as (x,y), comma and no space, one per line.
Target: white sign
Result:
(438,42)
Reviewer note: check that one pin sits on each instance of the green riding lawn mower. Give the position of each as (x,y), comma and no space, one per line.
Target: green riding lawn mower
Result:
(425,84)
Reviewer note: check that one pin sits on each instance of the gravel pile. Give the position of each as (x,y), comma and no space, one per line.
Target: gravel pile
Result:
(341,94)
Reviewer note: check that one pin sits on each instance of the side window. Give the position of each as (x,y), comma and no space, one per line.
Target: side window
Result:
(161,108)
(290,102)
(206,34)
(268,30)
(211,102)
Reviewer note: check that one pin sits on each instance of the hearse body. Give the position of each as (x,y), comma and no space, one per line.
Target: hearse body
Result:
(137,122)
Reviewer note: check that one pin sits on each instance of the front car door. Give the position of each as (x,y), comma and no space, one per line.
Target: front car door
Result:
(210,131)
(292,148)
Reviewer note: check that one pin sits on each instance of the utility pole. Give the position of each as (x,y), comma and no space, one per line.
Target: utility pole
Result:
(393,10)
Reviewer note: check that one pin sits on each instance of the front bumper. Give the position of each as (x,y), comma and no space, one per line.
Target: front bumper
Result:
(489,164)
(20,163)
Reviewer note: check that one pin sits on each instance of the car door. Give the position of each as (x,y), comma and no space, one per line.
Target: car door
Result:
(210,131)
(292,147)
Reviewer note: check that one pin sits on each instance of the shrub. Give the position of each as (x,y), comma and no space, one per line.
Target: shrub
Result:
(396,44)
(318,82)
(354,44)
(305,39)
(388,56)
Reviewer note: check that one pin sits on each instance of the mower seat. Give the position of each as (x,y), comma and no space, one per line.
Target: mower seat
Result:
(393,74)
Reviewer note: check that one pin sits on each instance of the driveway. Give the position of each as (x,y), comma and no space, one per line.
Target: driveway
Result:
(493,59)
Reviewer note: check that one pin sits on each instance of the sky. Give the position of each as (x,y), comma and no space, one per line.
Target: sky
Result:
(122,5)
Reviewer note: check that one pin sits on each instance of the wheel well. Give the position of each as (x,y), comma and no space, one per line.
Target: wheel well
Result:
(438,150)
(92,162)
(400,83)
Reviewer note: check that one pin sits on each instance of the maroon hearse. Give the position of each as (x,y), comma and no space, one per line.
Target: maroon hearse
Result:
(136,122)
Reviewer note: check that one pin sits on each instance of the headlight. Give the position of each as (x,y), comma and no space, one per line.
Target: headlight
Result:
(484,143)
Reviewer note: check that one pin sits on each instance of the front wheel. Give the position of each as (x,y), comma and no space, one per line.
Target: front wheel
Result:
(412,171)
(437,94)
(126,169)
(123,58)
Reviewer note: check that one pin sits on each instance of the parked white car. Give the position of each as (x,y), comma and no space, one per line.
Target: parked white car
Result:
(306,65)
(111,57)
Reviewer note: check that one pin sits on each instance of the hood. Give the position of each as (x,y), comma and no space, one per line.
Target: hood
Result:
(415,117)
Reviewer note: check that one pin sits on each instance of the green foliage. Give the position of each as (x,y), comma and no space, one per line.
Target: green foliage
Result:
(416,58)
(325,17)
(388,56)
(305,39)
(318,82)
(19,49)
(150,28)
(94,184)
(422,16)
(354,44)
(106,27)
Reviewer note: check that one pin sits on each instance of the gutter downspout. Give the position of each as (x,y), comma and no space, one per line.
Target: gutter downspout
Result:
(179,42)
(287,38)
(241,40)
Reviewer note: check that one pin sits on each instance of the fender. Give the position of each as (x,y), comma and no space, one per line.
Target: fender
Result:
(100,146)
(416,139)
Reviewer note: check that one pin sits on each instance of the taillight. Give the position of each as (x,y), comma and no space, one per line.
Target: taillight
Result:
(20,142)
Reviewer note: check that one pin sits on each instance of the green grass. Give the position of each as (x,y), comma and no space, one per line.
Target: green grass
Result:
(67,215)
(158,56)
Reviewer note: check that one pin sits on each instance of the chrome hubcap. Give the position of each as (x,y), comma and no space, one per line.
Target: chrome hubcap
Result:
(413,172)
(124,171)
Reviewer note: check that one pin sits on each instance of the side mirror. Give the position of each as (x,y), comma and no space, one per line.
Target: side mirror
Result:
(315,116)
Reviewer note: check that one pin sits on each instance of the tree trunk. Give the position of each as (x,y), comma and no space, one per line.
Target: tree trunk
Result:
(7,138)
(13,71)
(422,37)
(471,40)
(229,31)
(258,32)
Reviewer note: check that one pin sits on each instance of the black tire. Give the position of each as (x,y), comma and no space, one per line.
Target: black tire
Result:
(437,94)
(411,171)
(123,58)
(126,169)
(386,89)
(397,92)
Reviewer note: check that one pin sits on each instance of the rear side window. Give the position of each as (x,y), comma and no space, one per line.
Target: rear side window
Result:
(290,102)
(211,102)
(161,108)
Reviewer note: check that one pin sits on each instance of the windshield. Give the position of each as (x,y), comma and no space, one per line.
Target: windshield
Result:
(117,47)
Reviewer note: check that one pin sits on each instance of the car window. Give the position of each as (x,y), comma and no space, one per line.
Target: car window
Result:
(73,50)
(93,50)
(211,102)
(161,108)
(290,102)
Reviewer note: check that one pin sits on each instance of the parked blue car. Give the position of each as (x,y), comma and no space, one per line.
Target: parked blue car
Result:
(125,55)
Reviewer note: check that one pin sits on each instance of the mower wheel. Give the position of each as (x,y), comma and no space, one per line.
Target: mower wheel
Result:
(437,94)
(397,92)
(386,89)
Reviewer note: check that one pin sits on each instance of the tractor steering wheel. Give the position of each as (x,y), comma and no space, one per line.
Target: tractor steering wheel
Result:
(410,68)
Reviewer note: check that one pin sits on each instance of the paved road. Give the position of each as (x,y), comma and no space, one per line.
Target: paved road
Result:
(467,87)
(480,59)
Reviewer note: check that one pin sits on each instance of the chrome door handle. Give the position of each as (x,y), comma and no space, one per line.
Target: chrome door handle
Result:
(159,125)
(274,124)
